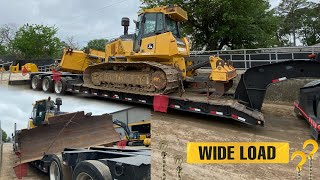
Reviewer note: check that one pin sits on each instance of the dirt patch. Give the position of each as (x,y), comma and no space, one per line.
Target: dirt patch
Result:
(8,162)
(177,129)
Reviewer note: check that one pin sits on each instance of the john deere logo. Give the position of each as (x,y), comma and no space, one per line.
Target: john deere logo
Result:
(150,46)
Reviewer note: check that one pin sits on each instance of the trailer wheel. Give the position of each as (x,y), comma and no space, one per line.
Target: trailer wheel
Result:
(91,170)
(58,171)
(55,170)
(47,84)
(36,82)
(60,87)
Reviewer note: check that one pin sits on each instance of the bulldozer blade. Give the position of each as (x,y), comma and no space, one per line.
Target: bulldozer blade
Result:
(74,130)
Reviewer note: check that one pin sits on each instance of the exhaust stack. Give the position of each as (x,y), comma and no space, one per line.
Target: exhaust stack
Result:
(125,22)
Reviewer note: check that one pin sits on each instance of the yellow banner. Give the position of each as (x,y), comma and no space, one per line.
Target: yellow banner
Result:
(238,152)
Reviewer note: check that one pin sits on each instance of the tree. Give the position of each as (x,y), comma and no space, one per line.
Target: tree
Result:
(7,35)
(37,41)
(217,23)
(71,43)
(4,136)
(3,50)
(97,44)
(291,13)
(309,32)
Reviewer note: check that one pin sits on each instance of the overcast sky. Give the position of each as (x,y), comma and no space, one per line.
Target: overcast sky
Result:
(82,19)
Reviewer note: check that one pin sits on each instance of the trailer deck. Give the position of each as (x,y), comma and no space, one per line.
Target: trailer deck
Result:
(243,106)
(190,102)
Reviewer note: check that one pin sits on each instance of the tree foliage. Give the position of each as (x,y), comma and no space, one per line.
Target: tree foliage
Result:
(309,32)
(97,44)
(7,35)
(4,136)
(37,41)
(70,42)
(217,23)
(300,20)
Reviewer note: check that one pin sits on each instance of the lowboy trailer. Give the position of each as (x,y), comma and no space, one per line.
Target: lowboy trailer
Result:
(243,106)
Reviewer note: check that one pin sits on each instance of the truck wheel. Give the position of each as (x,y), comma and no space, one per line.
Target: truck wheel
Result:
(60,87)
(36,82)
(47,84)
(91,170)
(58,171)
(55,170)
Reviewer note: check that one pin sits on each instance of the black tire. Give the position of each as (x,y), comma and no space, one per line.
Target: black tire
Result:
(47,84)
(60,87)
(64,171)
(36,83)
(55,169)
(96,170)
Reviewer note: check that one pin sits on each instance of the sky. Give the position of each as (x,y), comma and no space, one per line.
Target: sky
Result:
(81,19)
(84,20)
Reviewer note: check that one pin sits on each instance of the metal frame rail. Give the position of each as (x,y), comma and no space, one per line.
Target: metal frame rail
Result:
(45,68)
(247,58)
(177,103)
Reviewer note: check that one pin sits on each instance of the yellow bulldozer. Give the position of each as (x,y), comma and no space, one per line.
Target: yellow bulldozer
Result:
(156,59)
(75,61)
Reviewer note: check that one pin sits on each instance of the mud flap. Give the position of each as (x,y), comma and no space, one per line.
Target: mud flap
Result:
(74,130)
(21,170)
(160,103)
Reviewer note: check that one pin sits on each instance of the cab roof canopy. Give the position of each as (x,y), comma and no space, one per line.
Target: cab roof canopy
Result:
(174,12)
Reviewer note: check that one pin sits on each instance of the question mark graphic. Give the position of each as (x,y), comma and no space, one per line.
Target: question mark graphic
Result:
(310,156)
(315,147)
(301,163)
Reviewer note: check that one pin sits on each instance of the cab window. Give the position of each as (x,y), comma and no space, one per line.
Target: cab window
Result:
(172,26)
(34,113)
(150,23)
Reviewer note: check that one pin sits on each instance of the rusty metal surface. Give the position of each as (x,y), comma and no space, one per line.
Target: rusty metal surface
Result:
(80,132)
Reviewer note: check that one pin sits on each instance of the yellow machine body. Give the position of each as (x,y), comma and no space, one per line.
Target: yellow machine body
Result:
(30,124)
(221,70)
(167,48)
(30,67)
(14,69)
(77,61)
(156,59)
(142,135)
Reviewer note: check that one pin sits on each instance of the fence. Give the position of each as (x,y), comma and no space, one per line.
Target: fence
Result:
(3,71)
(247,58)
(46,68)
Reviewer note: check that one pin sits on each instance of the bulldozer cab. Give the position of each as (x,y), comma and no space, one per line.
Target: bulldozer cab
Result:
(39,112)
(43,109)
(156,21)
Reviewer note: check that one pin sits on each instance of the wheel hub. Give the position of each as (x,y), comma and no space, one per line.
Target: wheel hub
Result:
(54,171)
(84,176)
(159,80)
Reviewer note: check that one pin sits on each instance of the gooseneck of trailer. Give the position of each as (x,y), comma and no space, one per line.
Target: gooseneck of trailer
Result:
(254,82)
